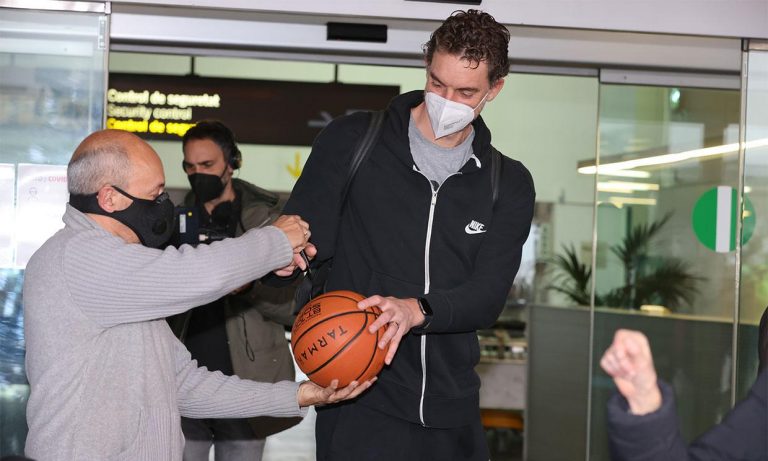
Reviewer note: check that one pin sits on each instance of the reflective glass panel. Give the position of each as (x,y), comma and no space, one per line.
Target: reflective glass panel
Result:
(667,185)
(51,96)
(754,255)
(549,123)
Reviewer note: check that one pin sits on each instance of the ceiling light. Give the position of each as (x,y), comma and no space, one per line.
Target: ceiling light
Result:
(625,187)
(621,201)
(628,173)
(609,168)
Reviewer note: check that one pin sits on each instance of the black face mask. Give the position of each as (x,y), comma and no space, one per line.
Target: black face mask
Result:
(150,220)
(206,186)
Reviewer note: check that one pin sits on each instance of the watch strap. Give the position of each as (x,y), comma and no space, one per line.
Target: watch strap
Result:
(426,311)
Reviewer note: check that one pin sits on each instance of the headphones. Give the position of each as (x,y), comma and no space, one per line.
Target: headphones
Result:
(235,157)
(221,135)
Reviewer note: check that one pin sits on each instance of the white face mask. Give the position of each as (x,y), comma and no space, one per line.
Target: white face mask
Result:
(446,116)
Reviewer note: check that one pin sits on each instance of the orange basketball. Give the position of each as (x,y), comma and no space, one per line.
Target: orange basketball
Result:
(330,339)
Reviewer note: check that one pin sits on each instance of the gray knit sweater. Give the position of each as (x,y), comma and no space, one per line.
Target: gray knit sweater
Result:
(108,378)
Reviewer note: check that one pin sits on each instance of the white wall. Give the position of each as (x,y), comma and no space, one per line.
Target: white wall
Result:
(550,124)
(259,30)
(727,18)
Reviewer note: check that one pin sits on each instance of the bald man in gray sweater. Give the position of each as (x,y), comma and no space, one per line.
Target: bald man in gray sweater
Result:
(108,378)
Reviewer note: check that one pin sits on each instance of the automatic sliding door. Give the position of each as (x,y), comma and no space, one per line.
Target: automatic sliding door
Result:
(665,260)
(753,293)
(52,81)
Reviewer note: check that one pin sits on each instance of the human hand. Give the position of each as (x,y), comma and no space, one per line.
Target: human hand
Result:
(298,261)
(629,362)
(401,314)
(296,229)
(312,394)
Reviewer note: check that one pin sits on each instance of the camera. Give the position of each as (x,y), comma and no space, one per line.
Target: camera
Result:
(206,235)
(188,229)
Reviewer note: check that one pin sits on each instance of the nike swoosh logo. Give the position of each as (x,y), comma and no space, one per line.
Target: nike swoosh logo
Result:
(471,231)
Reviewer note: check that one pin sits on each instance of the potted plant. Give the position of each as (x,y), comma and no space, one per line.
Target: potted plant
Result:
(660,280)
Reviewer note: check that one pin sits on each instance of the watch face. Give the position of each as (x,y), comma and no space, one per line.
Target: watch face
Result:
(426,309)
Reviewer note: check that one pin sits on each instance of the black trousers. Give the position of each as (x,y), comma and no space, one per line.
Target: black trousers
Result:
(352,432)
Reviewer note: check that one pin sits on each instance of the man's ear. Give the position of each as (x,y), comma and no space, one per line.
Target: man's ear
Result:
(107,197)
(495,89)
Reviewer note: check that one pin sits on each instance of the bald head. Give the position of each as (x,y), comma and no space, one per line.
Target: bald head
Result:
(108,157)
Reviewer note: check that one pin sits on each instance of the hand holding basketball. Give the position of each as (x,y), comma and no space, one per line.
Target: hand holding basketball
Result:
(312,394)
(400,314)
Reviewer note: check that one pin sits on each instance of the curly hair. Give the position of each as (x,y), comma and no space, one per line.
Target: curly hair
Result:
(475,36)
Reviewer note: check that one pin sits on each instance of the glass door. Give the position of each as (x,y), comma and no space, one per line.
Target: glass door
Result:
(665,260)
(549,123)
(753,294)
(52,80)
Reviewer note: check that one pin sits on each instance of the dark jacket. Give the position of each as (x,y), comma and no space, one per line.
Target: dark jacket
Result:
(742,435)
(398,238)
(255,319)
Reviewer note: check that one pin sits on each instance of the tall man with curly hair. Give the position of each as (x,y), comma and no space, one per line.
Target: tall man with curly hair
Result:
(431,230)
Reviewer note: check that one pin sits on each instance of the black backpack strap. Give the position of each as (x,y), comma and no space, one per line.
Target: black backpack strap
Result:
(361,151)
(318,275)
(495,174)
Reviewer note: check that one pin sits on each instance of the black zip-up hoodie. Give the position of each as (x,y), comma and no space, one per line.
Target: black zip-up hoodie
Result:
(397,237)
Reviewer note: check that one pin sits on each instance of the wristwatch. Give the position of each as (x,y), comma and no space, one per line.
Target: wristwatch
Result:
(426,311)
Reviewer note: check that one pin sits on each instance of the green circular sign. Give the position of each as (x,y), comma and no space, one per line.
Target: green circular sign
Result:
(714,219)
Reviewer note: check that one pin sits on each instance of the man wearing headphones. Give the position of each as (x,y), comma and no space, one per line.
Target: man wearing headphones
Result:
(243,333)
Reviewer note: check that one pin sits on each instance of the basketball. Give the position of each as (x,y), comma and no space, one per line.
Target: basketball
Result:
(330,339)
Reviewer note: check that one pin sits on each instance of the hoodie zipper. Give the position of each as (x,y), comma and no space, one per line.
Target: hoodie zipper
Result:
(427,245)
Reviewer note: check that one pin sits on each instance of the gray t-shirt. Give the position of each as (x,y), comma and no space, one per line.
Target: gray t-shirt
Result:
(436,162)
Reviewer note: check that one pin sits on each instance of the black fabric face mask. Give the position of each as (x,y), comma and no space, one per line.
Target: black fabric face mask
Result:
(206,186)
(150,220)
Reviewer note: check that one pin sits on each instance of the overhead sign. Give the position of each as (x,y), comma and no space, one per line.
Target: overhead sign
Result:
(257,111)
